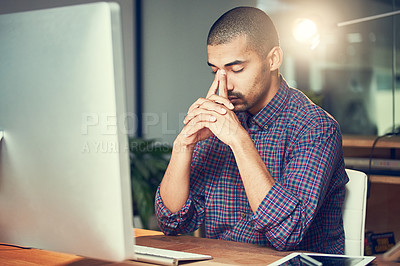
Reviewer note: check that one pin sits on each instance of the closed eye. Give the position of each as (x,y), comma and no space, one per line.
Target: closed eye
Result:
(238,70)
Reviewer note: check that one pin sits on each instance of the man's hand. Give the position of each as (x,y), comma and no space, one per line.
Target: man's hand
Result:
(174,188)
(212,115)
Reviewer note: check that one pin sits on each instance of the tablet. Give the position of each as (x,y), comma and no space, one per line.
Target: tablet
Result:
(314,259)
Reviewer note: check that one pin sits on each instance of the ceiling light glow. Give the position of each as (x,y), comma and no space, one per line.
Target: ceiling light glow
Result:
(305,31)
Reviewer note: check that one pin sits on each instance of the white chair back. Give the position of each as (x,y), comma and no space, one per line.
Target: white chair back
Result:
(354,211)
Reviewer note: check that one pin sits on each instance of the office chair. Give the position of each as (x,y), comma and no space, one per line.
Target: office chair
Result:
(354,210)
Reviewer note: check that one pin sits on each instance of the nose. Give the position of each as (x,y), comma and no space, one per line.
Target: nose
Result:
(229,83)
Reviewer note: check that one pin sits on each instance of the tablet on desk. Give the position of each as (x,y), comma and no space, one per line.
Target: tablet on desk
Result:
(314,259)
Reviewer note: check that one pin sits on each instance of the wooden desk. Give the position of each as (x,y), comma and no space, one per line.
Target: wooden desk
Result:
(223,252)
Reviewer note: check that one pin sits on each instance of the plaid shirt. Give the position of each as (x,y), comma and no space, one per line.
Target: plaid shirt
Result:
(301,146)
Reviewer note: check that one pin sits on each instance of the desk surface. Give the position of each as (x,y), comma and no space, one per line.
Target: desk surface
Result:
(223,252)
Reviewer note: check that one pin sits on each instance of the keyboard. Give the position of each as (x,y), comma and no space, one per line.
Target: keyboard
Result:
(165,256)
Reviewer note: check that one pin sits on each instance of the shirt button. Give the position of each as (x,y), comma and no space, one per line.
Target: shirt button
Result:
(266,127)
(243,215)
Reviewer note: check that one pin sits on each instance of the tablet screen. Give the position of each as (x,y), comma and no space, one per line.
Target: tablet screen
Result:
(345,261)
(340,261)
(325,259)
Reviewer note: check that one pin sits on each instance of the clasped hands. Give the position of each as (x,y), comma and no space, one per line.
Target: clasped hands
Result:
(211,115)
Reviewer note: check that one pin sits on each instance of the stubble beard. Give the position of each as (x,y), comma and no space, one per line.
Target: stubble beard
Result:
(243,105)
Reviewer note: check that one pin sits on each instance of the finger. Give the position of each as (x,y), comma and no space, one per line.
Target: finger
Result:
(208,107)
(222,100)
(222,88)
(198,118)
(193,129)
(201,115)
(212,106)
(214,86)
(197,104)
(214,103)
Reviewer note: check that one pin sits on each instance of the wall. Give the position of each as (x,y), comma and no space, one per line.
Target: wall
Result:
(175,71)
(175,60)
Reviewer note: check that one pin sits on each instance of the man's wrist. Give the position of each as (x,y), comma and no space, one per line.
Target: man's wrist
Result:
(242,140)
(180,147)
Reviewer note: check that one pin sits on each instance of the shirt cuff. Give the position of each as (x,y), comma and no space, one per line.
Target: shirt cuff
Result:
(166,217)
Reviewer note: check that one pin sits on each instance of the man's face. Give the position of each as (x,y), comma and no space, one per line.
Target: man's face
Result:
(248,74)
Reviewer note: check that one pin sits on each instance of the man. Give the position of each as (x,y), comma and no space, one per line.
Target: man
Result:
(258,162)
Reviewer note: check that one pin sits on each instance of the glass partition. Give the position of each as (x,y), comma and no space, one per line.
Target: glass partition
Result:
(351,70)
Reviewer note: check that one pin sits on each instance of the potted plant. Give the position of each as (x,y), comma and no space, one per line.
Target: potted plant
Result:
(149,160)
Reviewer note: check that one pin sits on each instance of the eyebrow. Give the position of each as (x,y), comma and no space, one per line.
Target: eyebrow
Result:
(236,62)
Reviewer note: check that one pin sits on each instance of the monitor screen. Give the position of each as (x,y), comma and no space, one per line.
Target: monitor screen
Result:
(64,159)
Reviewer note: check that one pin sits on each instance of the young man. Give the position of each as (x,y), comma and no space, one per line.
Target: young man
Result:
(258,162)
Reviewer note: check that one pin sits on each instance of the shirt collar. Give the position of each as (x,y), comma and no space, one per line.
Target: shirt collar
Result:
(269,113)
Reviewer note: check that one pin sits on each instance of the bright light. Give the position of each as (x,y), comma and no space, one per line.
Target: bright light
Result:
(305,31)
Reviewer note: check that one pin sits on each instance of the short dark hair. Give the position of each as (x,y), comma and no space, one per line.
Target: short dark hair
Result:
(252,22)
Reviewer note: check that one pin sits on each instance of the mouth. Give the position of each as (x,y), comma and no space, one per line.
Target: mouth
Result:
(234,100)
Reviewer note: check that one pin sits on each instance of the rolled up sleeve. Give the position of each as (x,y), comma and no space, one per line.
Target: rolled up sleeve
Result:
(183,221)
(290,206)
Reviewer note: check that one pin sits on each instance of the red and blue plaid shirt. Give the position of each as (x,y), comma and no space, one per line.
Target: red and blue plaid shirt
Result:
(301,146)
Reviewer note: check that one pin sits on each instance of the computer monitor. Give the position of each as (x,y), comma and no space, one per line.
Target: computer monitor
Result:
(64,158)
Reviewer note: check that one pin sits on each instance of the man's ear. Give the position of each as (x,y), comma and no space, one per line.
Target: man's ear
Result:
(275,57)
